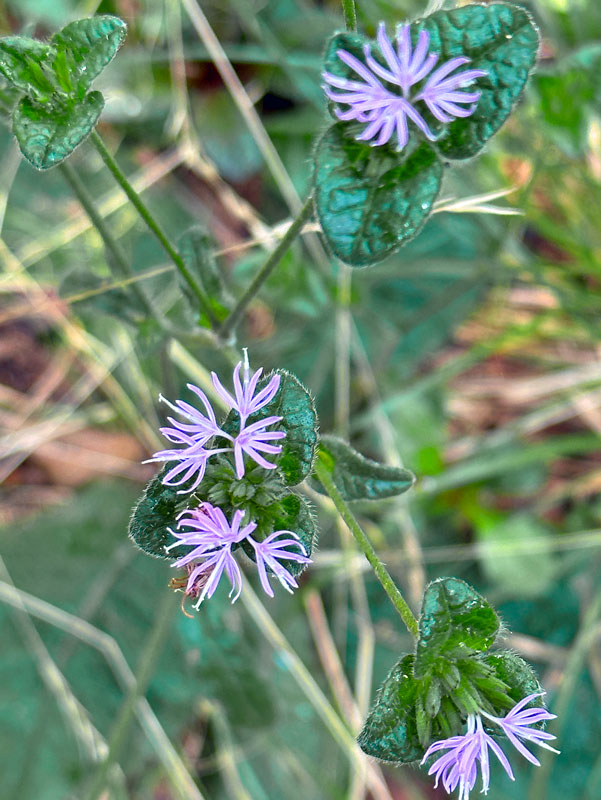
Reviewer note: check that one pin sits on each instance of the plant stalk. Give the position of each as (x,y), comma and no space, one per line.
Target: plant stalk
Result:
(350,14)
(382,574)
(265,271)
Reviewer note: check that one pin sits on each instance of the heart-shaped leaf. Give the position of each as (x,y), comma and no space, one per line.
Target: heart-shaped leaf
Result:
(370,201)
(360,478)
(293,402)
(455,622)
(390,731)
(89,45)
(499,38)
(47,136)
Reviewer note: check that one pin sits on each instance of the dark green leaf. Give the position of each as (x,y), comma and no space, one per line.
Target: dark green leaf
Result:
(369,204)
(154,513)
(47,136)
(360,478)
(20,63)
(89,45)
(455,622)
(195,247)
(294,404)
(500,38)
(390,731)
(516,674)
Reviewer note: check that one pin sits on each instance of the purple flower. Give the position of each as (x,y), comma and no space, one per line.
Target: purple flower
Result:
(269,551)
(252,439)
(516,726)
(211,539)
(192,459)
(458,767)
(387,112)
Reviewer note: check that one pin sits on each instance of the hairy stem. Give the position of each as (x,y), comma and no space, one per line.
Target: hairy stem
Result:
(350,14)
(148,659)
(366,548)
(265,271)
(153,225)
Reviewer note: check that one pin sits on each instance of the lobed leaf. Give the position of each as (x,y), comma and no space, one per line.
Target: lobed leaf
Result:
(47,136)
(455,622)
(359,478)
(368,201)
(499,38)
(390,730)
(89,45)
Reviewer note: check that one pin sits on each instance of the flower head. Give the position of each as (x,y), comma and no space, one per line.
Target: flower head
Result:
(199,427)
(458,767)
(387,111)
(211,539)
(252,439)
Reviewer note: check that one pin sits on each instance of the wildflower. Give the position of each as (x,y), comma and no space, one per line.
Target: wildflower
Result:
(200,427)
(192,459)
(516,724)
(252,439)
(211,538)
(267,554)
(387,112)
(458,767)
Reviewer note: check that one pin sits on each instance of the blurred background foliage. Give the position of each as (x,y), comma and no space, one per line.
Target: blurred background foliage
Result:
(473,355)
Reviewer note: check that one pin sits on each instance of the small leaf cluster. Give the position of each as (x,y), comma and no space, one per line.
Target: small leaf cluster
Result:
(55,111)
(264,495)
(372,200)
(429,693)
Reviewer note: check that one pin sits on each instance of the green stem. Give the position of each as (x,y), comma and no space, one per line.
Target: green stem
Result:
(265,271)
(111,244)
(382,574)
(153,225)
(350,14)
(148,659)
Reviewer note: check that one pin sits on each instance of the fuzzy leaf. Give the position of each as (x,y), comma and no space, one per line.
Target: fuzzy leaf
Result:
(154,512)
(516,674)
(499,38)
(195,247)
(47,136)
(368,200)
(360,478)
(89,45)
(390,730)
(293,402)
(455,622)
(20,63)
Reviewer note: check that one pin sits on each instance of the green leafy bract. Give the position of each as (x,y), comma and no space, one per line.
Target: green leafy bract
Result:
(47,136)
(390,731)
(368,200)
(499,38)
(21,61)
(428,696)
(293,402)
(360,478)
(455,622)
(153,514)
